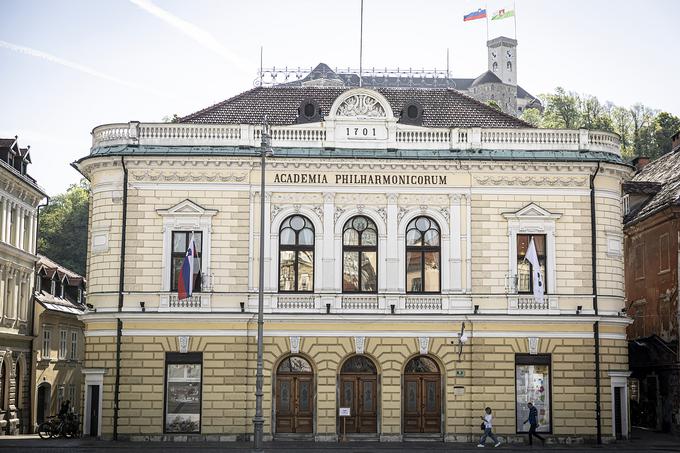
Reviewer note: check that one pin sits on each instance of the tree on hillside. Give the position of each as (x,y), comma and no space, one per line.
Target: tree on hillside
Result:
(63,227)
(561,110)
(665,126)
(532,116)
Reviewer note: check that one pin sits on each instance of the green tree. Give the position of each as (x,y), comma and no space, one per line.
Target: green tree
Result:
(63,227)
(494,104)
(643,132)
(622,122)
(532,116)
(562,110)
(665,125)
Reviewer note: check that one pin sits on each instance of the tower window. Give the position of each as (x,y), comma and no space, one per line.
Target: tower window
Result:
(495,66)
(509,65)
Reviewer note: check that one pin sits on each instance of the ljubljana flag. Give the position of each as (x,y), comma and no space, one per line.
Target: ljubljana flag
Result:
(185,283)
(532,257)
(479,14)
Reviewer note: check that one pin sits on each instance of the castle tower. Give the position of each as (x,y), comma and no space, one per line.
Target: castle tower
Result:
(503,58)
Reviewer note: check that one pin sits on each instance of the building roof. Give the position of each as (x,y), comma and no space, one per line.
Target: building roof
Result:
(441,107)
(56,303)
(48,266)
(660,179)
(486,77)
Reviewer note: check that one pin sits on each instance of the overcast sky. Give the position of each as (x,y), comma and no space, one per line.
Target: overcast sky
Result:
(67,66)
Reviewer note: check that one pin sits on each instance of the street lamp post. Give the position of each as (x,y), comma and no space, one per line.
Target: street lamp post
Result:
(258,420)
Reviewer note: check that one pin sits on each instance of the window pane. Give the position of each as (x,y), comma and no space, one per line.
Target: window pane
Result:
(432,271)
(431,238)
(523,275)
(176,266)
(306,237)
(305,271)
(368,271)
(297,223)
(183,398)
(350,275)
(413,272)
(350,237)
(286,270)
(359,223)
(533,386)
(369,237)
(414,238)
(423,224)
(198,239)
(287,236)
(539,240)
(179,242)
(522,245)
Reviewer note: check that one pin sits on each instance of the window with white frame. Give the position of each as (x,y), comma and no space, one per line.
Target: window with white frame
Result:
(46,340)
(185,216)
(62,344)
(74,345)
(531,221)
(60,396)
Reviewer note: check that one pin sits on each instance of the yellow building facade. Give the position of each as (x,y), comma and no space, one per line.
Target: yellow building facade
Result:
(396,225)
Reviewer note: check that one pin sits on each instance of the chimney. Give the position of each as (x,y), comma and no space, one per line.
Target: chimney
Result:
(675,142)
(640,162)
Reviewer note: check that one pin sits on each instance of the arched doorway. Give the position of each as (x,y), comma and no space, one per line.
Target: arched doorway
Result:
(422,396)
(294,396)
(358,391)
(43,410)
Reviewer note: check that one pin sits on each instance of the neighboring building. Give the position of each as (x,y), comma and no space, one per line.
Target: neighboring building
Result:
(20,196)
(652,238)
(59,342)
(396,222)
(497,84)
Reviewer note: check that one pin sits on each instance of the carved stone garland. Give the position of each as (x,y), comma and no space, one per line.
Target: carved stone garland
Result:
(361,105)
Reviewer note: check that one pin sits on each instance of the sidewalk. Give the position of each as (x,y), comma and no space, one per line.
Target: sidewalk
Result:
(642,441)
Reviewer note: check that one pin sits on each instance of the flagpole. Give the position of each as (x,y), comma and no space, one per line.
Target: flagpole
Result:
(486,8)
(514,17)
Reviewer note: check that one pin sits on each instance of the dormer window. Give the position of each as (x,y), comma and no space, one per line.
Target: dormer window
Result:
(53,288)
(626,204)
(412,113)
(309,111)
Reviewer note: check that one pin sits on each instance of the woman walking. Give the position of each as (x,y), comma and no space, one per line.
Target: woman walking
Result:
(487,418)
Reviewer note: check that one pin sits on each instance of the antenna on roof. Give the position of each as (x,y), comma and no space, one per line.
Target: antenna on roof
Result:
(261,70)
(447,63)
(361,42)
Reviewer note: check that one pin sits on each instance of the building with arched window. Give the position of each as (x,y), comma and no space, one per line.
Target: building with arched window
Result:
(425,256)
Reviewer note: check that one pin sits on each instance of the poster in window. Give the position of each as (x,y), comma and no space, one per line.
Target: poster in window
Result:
(533,386)
(183,398)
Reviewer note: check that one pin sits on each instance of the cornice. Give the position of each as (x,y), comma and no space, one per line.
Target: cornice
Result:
(569,181)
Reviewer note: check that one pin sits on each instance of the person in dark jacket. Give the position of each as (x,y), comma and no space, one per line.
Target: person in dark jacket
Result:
(533,424)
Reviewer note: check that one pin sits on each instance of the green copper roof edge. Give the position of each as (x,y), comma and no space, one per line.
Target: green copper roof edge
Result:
(413,154)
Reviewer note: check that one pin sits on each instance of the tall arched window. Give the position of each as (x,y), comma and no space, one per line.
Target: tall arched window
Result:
(423,252)
(360,256)
(296,255)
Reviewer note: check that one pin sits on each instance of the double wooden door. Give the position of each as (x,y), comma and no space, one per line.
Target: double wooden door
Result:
(422,403)
(359,393)
(294,403)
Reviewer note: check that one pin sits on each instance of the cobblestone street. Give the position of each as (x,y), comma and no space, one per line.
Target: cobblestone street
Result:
(641,442)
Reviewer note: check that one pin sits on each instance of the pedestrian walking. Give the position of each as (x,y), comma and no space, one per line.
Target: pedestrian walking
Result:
(487,426)
(533,424)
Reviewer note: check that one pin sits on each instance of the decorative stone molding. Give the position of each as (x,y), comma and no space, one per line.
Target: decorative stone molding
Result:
(401,213)
(294,345)
(423,345)
(445,213)
(183,344)
(383,213)
(533,345)
(181,176)
(361,105)
(275,210)
(530,181)
(319,211)
(338,212)
(329,197)
(359,343)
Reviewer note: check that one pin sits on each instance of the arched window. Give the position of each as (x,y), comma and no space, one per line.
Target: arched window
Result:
(360,256)
(296,255)
(495,66)
(423,251)
(509,66)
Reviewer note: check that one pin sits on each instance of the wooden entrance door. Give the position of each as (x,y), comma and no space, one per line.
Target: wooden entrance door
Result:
(294,396)
(359,391)
(422,396)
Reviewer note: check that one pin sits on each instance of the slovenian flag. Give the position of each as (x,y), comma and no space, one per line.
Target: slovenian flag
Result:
(479,14)
(503,14)
(185,284)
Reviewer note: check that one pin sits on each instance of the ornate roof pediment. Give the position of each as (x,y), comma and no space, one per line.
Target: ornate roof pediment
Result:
(187,208)
(361,103)
(531,211)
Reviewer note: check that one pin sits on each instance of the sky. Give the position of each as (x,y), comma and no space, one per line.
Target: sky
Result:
(67,66)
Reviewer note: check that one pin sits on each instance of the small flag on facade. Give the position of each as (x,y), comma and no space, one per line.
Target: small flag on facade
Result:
(503,14)
(185,283)
(479,14)
(532,257)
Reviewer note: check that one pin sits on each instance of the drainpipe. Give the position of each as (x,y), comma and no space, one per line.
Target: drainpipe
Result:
(596,326)
(121,282)
(31,362)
